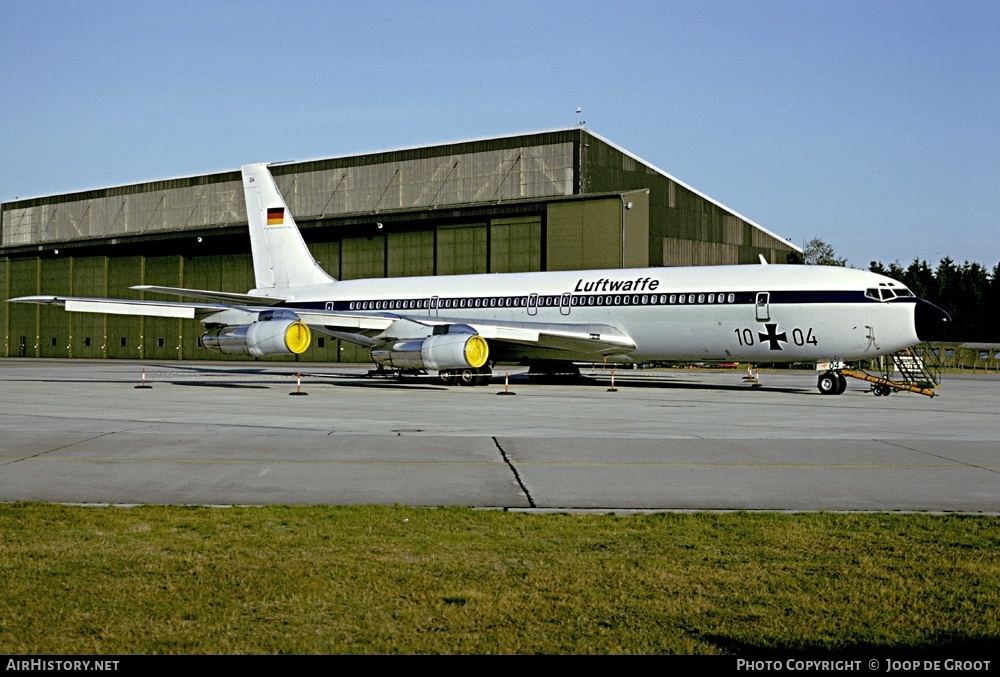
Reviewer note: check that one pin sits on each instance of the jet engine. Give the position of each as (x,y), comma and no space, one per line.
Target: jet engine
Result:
(260,339)
(440,351)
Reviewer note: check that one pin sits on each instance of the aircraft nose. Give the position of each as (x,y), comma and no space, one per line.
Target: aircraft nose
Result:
(930,320)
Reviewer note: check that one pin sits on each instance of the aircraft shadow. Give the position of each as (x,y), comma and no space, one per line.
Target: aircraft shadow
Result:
(626,380)
(204,384)
(687,385)
(363,382)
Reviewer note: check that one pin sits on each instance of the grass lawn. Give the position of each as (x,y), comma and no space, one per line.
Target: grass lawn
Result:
(385,580)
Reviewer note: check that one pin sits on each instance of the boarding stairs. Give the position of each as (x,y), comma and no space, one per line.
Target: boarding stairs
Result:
(908,370)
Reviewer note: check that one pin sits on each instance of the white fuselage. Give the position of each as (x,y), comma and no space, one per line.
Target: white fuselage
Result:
(765,313)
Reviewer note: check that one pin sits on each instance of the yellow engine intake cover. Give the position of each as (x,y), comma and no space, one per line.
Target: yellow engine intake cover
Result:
(476,351)
(297,337)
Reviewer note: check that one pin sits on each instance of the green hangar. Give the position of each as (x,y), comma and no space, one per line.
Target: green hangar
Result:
(565,199)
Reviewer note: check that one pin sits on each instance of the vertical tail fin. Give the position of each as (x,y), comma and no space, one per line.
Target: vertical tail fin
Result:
(280,256)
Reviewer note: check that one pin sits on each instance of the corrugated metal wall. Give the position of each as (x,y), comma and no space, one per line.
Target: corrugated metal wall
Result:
(685,228)
(355,186)
(368,184)
(131,210)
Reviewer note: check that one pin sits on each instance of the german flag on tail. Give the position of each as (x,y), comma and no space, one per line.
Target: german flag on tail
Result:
(275,216)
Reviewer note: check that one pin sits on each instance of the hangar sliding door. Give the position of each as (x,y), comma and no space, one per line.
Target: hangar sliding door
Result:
(5,307)
(161,335)
(124,331)
(410,254)
(461,250)
(89,333)
(516,245)
(584,235)
(22,318)
(363,257)
(54,321)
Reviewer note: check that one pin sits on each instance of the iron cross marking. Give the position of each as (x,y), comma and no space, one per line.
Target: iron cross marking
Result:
(772,336)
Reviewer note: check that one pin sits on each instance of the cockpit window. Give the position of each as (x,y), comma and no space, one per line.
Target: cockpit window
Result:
(887,294)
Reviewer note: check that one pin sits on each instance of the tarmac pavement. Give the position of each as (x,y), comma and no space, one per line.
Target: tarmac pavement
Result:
(225,433)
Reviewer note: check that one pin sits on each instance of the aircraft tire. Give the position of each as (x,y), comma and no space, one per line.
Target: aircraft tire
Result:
(485,376)
(827,383)
(467,377)
(841,384)
(447,377)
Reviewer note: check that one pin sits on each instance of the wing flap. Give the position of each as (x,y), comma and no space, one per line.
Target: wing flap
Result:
(114,307)
(578,339)
(331,321)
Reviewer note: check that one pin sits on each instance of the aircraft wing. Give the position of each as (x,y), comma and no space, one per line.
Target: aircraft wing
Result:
(152,308)
(586,339)
(326,322)
(124,306)
(508,339)
(220,296)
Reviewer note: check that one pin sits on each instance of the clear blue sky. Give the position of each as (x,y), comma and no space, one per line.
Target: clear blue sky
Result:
(874,126)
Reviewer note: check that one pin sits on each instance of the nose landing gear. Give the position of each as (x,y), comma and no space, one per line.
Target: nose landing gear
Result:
(831,383)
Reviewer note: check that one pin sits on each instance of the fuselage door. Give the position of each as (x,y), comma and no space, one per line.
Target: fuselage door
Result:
(763,306)
(564,303)
(533,304)
(433,312)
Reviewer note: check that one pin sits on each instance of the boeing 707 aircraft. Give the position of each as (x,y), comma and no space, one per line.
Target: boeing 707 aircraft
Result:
(461,325)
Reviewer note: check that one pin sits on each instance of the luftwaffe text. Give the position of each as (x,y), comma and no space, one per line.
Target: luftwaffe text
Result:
(602,284)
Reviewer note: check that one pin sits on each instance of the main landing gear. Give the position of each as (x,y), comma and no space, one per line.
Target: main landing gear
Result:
(832,383)
(466,377)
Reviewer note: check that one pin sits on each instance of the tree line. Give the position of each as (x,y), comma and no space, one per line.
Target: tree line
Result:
(969,292)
